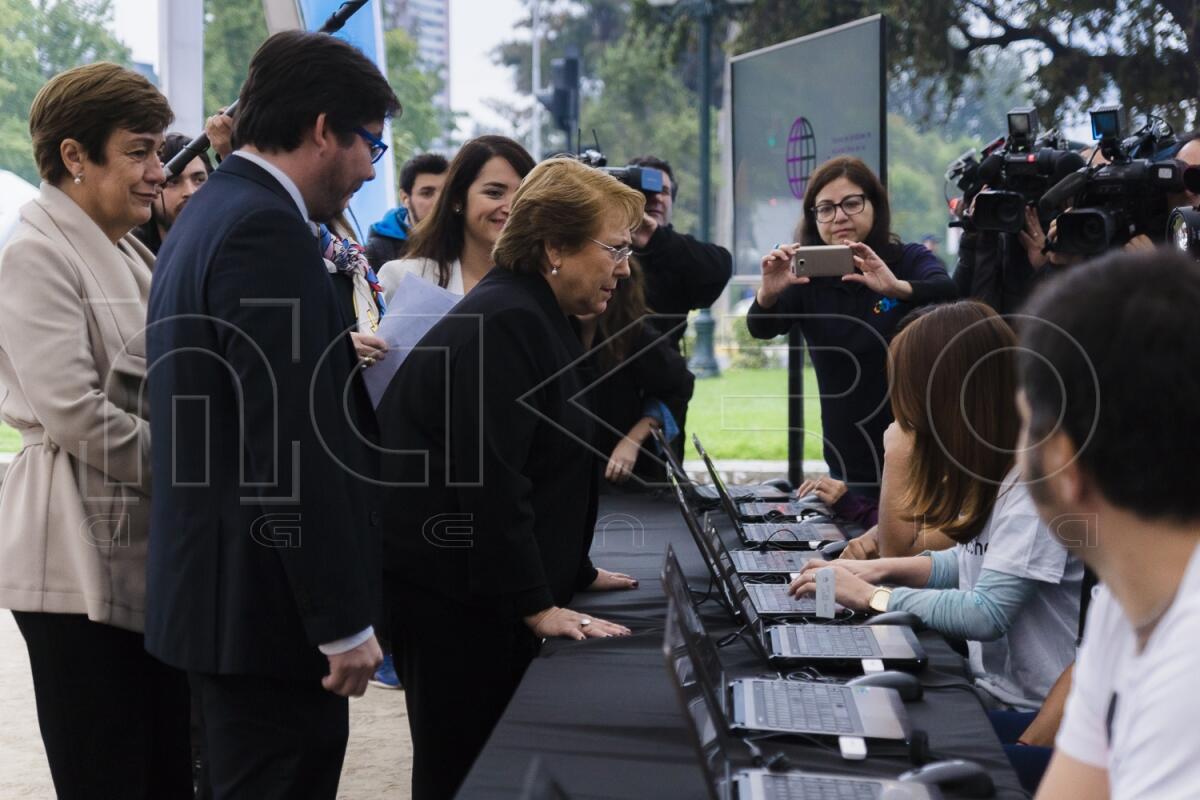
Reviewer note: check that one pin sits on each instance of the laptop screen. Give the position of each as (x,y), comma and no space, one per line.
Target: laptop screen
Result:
(710,555)
(698,697)
(719,482)
(729,576)
(675,469)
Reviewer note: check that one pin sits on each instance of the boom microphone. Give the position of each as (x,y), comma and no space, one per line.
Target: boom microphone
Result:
(200,144)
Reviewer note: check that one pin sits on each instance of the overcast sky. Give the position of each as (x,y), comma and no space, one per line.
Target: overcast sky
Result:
(473,77)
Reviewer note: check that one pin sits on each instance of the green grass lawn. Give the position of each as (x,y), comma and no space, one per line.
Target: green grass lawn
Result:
(743,415)
(740,415)
(10,440)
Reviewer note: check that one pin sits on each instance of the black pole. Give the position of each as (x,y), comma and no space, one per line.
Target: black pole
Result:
(704,360)
(795,405)
(200,144)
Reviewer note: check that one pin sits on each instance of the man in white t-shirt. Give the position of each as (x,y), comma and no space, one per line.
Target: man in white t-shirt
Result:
(1110,406)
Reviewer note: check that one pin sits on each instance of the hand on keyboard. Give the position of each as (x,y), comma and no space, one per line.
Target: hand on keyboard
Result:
(848,589)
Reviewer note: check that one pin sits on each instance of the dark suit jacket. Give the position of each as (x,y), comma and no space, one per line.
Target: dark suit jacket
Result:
(263,540)
(501,501)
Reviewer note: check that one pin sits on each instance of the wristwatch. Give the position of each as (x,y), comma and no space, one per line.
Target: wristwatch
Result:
(880,598)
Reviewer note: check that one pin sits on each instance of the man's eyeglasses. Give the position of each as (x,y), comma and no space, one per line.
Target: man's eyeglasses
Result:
(618,254)
(378,148)
(851,205)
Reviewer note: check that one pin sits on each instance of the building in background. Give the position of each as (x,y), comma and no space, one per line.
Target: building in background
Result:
(428,23)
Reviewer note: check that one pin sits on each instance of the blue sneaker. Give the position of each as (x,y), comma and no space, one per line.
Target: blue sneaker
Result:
(386,677)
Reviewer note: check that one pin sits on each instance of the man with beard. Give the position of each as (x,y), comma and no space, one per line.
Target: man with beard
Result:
(263,571)
(174,194)
(1110,407)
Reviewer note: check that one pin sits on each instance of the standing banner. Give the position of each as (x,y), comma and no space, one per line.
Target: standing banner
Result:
(795,106)
(364,30)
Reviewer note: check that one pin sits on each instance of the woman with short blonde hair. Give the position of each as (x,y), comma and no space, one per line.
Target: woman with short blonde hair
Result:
(486,538)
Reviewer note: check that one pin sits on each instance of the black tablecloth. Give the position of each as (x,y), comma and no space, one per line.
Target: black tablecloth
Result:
(603,716)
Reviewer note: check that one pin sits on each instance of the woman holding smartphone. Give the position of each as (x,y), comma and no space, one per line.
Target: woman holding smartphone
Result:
(847,321)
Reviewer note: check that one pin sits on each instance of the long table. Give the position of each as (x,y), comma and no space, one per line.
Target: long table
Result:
(604,720)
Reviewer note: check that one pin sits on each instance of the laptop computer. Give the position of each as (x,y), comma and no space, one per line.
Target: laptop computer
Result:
(746,561)
(780,534)
(711,738)
(769,704)
(766,599)
(706,494)
(828,646)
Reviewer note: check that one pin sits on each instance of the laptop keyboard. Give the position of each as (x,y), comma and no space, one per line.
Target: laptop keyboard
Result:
(772,598)
(768,561)
(830,641)
(781,532)
(817,707)
(804,787)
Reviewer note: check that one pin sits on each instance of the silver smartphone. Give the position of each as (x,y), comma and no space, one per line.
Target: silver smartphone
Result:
(823,261)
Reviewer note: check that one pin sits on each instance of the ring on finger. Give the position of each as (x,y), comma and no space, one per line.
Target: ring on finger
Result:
(583,623)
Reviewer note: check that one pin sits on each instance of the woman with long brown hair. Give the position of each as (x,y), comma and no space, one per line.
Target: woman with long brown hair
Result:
(452,247)
(639,382)
(1006,586)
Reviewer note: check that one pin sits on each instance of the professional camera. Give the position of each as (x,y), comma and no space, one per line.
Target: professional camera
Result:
(1016,170)
(1128,196)
(1019,174)
(1183,226)
(646,180)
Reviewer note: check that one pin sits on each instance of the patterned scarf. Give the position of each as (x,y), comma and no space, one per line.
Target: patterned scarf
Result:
(349,258)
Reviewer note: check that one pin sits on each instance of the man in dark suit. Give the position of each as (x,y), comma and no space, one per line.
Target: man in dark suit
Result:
(264,545)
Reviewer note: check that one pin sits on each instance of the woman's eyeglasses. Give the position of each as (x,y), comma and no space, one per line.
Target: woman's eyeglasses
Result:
(850,205)
(618,254)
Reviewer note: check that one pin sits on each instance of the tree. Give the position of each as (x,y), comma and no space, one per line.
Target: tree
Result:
(422,123)
(233,31)
(1148,51)
(916,169)
(41,39)
(589,27)
(635,97)
(980,109)
(640,106)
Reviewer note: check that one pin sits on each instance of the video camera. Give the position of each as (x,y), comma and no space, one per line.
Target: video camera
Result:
(647,180)
(1183,226)
(1116,201)
(1017,171)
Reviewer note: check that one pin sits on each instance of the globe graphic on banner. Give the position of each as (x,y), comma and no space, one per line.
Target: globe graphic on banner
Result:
(801,156)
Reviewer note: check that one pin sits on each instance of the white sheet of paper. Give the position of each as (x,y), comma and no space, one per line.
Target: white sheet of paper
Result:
(416,306)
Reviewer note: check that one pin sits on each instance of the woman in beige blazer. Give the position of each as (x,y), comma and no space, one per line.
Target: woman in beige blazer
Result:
(74,504)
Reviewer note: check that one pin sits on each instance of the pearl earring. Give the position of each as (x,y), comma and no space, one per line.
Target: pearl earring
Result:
(79,179)
(554,270)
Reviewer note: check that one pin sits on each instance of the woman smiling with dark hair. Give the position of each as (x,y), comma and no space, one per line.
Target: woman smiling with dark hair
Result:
(452,247)
(74,512)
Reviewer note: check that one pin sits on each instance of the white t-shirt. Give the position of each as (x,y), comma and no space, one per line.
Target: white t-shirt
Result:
(1135,714)
(391,273)
(1019,668)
